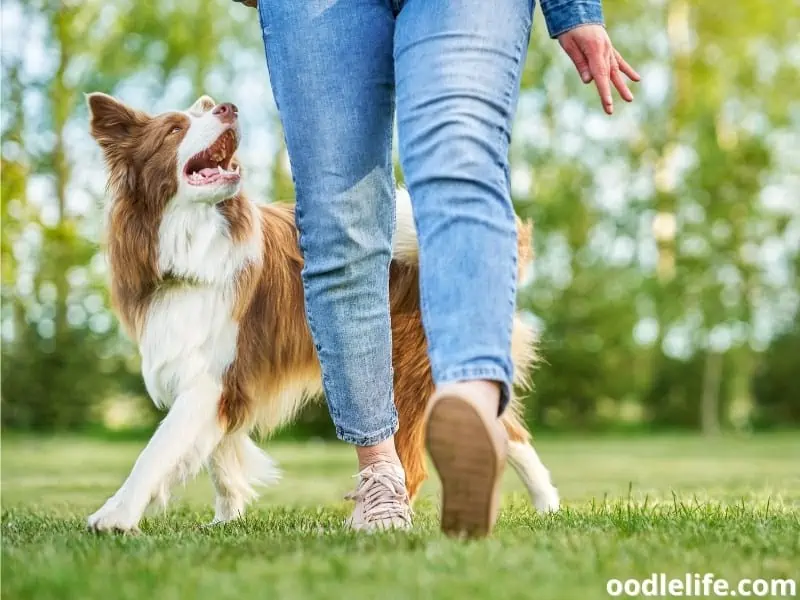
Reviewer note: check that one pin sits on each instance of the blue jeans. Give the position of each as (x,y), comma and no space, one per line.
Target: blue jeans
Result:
(339,69)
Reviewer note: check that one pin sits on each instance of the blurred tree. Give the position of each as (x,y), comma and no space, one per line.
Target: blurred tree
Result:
(670,203)
(62,354)
(776,387)
(709,171)
(667,236)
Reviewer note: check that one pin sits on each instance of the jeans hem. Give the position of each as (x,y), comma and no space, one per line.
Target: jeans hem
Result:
(371,439)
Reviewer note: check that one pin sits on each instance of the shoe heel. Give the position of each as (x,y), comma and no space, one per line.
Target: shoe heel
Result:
(468,456)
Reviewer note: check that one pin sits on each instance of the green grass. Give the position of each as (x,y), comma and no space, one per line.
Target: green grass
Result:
(633,506)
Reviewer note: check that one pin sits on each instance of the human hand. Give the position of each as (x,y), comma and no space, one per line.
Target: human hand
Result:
(596,59)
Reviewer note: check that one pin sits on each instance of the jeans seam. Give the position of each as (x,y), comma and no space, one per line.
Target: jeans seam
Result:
(512,88)
(310,317)
(508,377)
(392,235)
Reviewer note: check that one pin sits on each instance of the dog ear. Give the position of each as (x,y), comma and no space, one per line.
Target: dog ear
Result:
(202,105)
(116,126)
(111,122)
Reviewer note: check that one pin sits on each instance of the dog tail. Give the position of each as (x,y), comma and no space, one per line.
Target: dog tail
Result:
(524,249)
(406,243)
(406,246)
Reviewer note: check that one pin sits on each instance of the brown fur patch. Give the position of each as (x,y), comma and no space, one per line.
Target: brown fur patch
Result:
(274,339)
(239,214)
(141,155)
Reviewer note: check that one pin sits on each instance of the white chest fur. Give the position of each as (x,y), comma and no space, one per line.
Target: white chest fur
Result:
(189,333)
(194,241)
(189,330)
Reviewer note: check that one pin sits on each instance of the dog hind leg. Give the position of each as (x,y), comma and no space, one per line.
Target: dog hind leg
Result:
(236,466)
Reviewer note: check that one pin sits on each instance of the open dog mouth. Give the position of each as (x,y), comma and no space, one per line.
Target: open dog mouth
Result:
(213,165)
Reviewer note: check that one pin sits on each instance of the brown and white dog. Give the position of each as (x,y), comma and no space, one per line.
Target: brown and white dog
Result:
(208,284)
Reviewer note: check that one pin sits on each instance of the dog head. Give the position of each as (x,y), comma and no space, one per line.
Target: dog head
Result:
(186,156)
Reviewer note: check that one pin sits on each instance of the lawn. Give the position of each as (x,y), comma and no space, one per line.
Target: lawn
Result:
(632,506)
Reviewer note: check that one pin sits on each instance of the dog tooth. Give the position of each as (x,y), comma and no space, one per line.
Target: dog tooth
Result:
(220,169)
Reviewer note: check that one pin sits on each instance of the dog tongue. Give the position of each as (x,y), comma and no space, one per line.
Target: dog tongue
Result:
(208,172)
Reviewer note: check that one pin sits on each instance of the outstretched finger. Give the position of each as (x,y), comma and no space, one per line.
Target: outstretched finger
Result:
(619,83)
(579,60)
(626,68)
(600,69)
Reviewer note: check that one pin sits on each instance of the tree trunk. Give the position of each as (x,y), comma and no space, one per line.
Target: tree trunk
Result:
(709,405)
(61,100)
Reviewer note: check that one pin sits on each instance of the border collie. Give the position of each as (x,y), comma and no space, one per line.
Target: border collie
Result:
(208,284)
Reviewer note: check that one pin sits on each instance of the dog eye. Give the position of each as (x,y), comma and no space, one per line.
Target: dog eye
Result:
(176,129)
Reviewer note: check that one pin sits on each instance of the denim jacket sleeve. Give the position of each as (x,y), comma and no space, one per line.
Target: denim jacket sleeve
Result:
(563,15)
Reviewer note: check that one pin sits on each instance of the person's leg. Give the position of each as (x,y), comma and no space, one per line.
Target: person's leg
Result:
(457,71)
(332,75)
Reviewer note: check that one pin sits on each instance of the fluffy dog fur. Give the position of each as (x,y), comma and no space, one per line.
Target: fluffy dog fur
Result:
(208,284)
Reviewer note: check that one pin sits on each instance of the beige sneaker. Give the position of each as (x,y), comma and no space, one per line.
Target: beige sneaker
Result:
(381,499)
(468,446)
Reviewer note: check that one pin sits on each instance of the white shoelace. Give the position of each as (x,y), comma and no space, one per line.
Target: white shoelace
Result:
(383,494)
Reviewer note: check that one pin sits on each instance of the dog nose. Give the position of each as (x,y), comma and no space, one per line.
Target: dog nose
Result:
(226,112)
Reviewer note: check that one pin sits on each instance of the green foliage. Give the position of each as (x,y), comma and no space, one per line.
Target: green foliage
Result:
(677,385)
(46,389)
(666,236)
(659,263)
(62,355)
(776,385)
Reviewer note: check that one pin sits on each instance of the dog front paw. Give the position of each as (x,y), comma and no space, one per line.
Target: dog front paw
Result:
(114,517)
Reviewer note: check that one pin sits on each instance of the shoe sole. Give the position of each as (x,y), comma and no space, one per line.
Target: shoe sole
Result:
(469,460)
